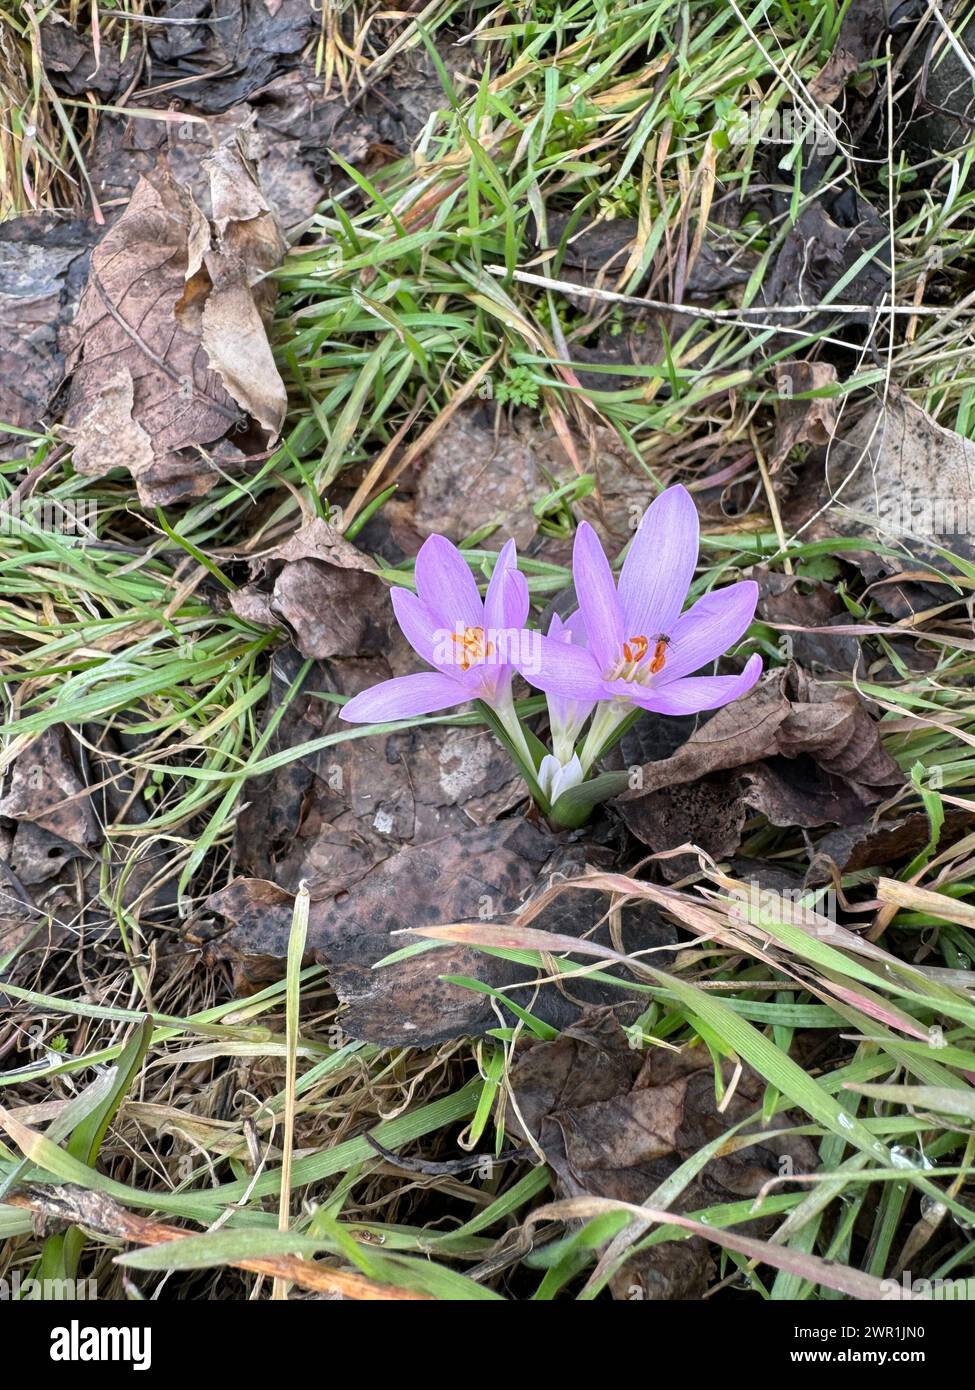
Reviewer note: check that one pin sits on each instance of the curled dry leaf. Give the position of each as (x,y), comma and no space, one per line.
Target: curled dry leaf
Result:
(324,589)
(802,421)
(803,752)
(613,1122)
(171,353)
(72,65)
(217,64)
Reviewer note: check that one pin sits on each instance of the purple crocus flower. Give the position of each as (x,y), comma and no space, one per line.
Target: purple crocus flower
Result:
(566,716)
(640,649)
(472,644)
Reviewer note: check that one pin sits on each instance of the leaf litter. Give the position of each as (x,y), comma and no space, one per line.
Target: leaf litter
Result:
(428,824)
(171,358)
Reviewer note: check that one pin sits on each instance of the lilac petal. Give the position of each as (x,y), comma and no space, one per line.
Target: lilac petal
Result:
(709,628)
(659,565)
(596,592)
(420,628)
(506,603)
(566,717)
(557,627)
(694,693)
(404,697)
(445,584)
(560,668)
(575,626)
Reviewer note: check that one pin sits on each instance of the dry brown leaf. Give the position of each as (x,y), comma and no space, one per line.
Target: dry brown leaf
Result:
(614,1122)
(46,790)
(324,589)
(899,473)
(803,752)
(864,24)
(43,261)
(802,421)
(170,340)
(868,846)
(482,874)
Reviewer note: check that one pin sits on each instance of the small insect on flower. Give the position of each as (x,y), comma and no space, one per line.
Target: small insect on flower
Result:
(659,653)
(642,648)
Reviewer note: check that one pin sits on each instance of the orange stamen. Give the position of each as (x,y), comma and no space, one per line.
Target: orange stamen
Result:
(659,657)
(473,646)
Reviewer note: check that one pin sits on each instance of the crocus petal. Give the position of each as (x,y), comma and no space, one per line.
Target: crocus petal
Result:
(694,693)
(596,592)
(506,602)
(555,777)
(575,626)
(557,627)
(566,717)
(404,697)
(420,628)
(561,668)
(709,628)
(659,565)
(445,584)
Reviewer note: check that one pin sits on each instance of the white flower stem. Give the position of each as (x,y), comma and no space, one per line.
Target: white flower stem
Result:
(608,717)
(504,708)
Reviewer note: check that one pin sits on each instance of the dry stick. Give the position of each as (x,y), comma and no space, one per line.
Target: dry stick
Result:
(381,459)
(77,1206)
(296,952)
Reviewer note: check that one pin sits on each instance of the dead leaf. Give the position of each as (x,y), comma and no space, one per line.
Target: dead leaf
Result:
(870,846)
(864,25)
(18,922)
(43,263)
(795,602)
(72,67)
(47,790)
(804,752)
(470,476)
(225,61)
(709,813)
(614,1122)
(802,421)
(156,319)
(830,236)
(330,816)
(901,475)
(482,874)
(325,590)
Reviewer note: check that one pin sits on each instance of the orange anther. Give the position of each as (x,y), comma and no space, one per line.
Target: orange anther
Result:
(659,655)
(473,646)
